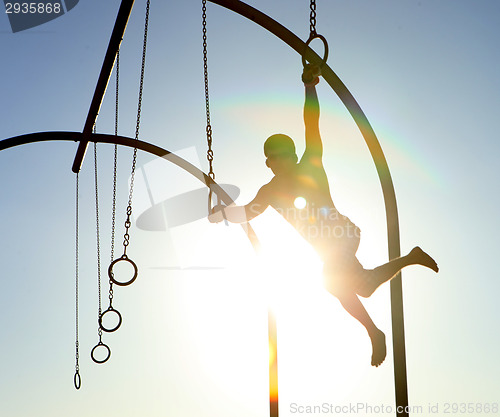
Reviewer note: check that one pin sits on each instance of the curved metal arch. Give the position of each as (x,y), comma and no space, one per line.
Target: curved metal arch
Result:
(131,143)
(384,174)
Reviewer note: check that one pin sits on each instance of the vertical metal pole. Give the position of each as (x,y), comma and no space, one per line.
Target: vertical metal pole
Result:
(398,335)
(102,82)
(397,316)
(273,365)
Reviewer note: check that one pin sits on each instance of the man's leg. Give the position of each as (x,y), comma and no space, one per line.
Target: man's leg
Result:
(355,308)
(386,272)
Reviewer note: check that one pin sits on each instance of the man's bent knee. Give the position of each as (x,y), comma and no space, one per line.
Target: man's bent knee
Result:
(338,290)
(367,284)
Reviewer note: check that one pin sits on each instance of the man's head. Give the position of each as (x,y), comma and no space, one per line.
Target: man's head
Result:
(280,153)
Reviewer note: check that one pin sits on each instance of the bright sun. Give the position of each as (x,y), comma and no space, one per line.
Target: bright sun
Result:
(321,349)
(315,334)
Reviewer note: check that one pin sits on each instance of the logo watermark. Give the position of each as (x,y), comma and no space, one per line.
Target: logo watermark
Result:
(318,223)
(169,199)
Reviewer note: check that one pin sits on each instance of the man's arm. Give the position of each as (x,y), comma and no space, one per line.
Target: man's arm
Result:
(314,145)
(241,214)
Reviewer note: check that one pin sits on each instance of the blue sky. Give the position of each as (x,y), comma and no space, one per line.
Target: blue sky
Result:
(194,342)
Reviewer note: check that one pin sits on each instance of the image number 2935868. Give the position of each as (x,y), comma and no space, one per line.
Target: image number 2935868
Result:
(28,14)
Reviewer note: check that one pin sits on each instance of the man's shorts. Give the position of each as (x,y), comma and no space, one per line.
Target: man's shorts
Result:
(343,273)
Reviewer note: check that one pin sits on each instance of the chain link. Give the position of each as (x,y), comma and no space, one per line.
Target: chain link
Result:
(312,18)
(126,236)
(210,153)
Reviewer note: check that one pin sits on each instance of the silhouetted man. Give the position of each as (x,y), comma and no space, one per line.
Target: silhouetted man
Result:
(300,192)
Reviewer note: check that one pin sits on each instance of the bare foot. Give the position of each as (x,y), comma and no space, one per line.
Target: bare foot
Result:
(378,346)
(422,258)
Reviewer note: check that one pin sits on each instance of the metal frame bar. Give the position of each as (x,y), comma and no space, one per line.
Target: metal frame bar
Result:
(102,83)
(131,143)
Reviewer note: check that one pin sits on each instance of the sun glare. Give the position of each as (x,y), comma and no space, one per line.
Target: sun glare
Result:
(314,333)
(320,349)
(272,352)
(290,264)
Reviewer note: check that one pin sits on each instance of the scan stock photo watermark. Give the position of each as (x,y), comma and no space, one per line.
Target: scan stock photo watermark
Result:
(367,409)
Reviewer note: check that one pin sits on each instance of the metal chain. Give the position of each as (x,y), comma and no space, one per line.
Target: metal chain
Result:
(115,165)
(126,237)
(117,85)
(77,378)
(98,240)
(210,153)
(115,161)
(314,35)
(312,18)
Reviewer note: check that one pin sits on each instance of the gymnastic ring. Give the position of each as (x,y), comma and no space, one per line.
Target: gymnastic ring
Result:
(325,44)
(77,379)
(112,277)
(100,360)
(112,329)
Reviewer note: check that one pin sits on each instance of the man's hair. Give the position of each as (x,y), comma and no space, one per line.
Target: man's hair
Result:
(279,144)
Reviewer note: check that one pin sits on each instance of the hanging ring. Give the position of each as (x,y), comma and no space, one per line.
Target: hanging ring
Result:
(111,329)
(100,360)
(325,44)
(112,277)
(77,379)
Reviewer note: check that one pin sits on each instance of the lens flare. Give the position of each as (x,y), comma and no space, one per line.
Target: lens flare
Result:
(300,203)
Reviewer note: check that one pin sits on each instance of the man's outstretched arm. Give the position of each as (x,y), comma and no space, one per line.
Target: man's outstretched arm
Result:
(314,145)
(240,214)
